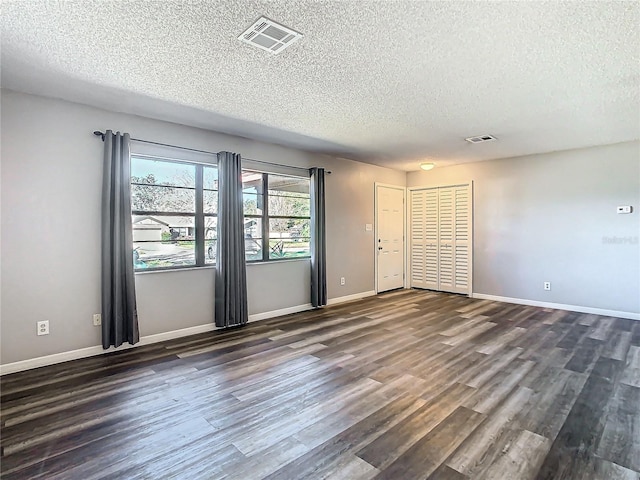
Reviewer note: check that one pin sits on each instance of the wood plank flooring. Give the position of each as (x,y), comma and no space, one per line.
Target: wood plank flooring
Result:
(406,385)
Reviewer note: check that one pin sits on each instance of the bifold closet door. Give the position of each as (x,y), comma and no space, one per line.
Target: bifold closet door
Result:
(446,227)
(424,238)
(454,239)
(440,234)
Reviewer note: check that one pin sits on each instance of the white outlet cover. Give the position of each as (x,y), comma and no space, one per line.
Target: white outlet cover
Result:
(42,328)
(624,209)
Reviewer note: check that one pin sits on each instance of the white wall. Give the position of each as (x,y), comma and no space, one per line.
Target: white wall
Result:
(50,237)
(549,218)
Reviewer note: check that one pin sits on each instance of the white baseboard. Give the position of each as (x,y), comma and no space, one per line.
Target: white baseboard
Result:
(155,338)
(98,350)
(183,332)
(278,313)
(559,306)
(348,298)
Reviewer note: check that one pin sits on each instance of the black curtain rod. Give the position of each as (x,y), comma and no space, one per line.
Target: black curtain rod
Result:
(100,134)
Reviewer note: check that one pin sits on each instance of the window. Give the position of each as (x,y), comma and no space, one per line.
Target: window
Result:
(277,216)
(174,212)
(171,204)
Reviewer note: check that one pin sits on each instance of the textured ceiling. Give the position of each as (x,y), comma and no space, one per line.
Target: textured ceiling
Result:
(391,83)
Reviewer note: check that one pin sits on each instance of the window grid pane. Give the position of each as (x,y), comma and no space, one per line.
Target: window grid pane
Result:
(253,203)
(288,186)
(253,238)
(163,241)
(210,238)
(162,172)
(210,198)
(160,198)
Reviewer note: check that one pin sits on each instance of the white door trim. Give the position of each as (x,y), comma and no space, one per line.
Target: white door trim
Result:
(375,231)
(441,185)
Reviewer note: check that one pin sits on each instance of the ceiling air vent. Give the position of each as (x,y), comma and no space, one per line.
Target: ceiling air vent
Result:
(269,35)
(481,139)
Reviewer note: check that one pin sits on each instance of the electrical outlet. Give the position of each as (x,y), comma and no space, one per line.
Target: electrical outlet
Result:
(43,327)
(625,209)
(547,285)
(97,319)
(342,281)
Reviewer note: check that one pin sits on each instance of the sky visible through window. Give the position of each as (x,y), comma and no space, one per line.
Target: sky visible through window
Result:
(164,172)
(171,172)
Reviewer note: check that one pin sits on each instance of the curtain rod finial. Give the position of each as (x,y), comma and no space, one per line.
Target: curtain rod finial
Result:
(98,133)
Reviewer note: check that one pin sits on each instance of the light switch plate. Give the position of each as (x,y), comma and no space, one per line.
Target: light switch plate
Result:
(624,209)
(368,227)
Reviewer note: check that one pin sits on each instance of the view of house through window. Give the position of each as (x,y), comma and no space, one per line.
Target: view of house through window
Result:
(164,211)
(172,201)
(283,219)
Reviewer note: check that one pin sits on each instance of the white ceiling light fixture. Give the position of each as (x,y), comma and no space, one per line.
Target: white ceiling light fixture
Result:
(269,35)
(427,166)
(481,139)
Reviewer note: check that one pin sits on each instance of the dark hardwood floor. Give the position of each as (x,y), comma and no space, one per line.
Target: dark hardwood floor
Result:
(405,385)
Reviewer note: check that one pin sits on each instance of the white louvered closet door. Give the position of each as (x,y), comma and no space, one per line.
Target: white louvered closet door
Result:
(446,227)
(462,239)
(432,277)
(440,236)
(417,238)
(424,238)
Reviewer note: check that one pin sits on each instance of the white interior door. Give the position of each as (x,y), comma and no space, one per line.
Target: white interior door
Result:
(390,237)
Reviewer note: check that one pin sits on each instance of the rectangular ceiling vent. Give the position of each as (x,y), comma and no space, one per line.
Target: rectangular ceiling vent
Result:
(481,139)
(269,35)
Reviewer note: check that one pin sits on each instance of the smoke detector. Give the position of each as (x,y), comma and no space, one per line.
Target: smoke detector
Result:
(269,35)
(481,139)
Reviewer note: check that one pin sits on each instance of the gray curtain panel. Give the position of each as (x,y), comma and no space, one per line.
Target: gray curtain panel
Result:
(318,240)
(119,313)
(231,273)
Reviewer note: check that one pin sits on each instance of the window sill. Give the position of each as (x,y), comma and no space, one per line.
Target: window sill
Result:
(283,260)
(173,269)
(211,267)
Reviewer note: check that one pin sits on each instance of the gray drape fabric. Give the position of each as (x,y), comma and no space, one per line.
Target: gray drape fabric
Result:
(119,313)
(318,240)
(231,274)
